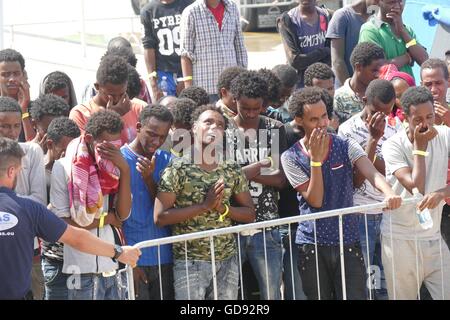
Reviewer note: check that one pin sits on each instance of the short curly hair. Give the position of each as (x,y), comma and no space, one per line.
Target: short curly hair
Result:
(226,76)
(124,52)
(380,89)
(319,71)
(55,81)
(249,84)
(198,94)
(10,153)
(112,69)
(48,105)
(414,96)
(365,53)
(8,104)
(302,97)
(62,127)
(134,82)
(274,85)
(155,111)
(287,74)
(198,112)
(104,121)
(182,111)
(11,55)
(434,63)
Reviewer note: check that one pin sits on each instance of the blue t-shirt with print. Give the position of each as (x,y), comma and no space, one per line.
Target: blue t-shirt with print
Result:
(337,172)
(20,221)
(140,225)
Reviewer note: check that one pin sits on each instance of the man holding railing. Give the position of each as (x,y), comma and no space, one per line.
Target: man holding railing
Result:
(416,158)
(370,130)
(199,192)
(320,167)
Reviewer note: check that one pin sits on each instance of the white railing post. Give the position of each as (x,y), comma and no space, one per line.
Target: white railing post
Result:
(368,262)
(83,33)
(266,265)
(342,252)
(291,262)
(213,266)
(316,248)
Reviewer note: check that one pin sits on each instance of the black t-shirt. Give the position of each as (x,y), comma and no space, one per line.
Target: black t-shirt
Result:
(162,32)
(20,221)
(270,140)
(288,203)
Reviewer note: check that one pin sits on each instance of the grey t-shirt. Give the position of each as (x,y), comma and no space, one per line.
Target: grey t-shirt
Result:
(345,24)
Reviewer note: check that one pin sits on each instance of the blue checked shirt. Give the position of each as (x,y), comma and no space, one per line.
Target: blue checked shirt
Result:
(211,50)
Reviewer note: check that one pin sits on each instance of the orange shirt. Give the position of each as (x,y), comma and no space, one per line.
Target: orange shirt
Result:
(81,113)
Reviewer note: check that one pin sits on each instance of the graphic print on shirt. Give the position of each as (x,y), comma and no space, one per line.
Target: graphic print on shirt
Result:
(251,147)
(168,32)
(7,221)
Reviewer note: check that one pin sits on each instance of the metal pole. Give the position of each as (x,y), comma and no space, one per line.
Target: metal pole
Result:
(1,24)
(83,33)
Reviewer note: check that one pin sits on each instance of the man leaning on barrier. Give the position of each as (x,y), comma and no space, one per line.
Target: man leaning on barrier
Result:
(22,219)
(320,167)
(199,192)
(416,158)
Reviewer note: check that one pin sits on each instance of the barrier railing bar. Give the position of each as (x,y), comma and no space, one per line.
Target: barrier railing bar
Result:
(291,261)
(341,253)
(266,264)
(213,266)
(368,262)
(317,260)
(270,223)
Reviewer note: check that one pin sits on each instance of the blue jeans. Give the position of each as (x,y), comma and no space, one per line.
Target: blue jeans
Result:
(291,276)
(55,280)
(252,248)
(197,283)
(94,286)
(373,230)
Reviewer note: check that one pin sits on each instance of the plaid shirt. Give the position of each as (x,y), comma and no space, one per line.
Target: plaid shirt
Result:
(346,102)
(211,50)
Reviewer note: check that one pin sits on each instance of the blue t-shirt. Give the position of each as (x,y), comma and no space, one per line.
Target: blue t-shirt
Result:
(346,24)
(140,226)
(337,173)
(310,37)
(20,221)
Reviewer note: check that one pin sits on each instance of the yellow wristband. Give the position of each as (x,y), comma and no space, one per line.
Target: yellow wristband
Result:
(154,74)
(184,79)
(25,115)
(223,215)
(271,161)
(315,164)
(411,43)
(420,153)
(102,220)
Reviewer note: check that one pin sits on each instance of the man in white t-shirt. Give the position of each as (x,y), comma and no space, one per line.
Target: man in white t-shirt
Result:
(416,158)
(370,129)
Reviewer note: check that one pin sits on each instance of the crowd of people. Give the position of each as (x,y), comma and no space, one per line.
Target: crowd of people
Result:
(210,144)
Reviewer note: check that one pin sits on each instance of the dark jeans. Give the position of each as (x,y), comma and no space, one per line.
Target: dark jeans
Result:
(329,265)
(291,276)
(55,280)
(151,289)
